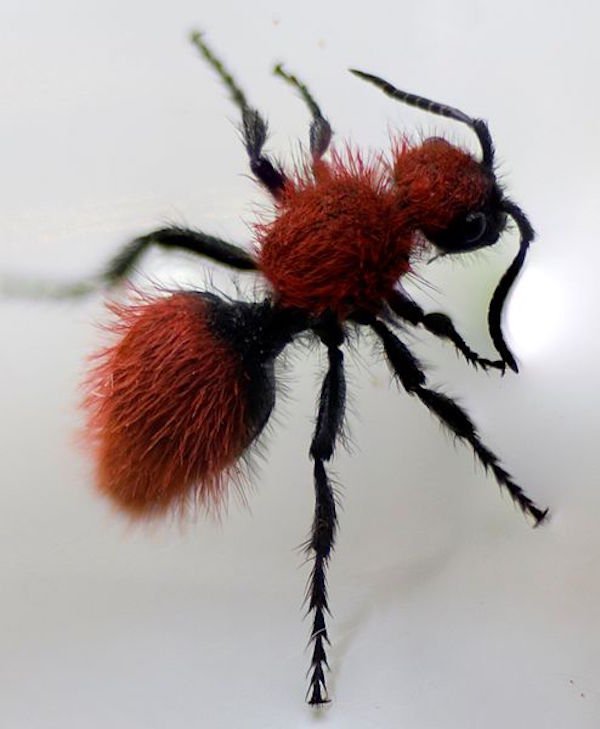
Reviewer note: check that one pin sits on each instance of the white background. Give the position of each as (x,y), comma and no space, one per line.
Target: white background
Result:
(449,610)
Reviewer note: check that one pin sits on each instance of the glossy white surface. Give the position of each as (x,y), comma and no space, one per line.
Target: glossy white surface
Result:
(449,611)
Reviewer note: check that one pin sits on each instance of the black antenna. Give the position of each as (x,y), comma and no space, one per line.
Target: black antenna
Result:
(506,282)
(477,125)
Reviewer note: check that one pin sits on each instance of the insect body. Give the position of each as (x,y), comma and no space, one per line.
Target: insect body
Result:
(188,383)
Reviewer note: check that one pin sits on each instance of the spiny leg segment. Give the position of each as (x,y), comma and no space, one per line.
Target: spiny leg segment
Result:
(441,326)
(320,132)
(408,370)
(254,127)
(328,426)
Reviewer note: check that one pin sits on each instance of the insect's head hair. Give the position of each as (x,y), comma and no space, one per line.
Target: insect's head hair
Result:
(460,203)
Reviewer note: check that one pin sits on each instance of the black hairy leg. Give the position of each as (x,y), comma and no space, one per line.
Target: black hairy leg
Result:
(410,373)
(440,325)
(329,422)
(185,239)
(122,265)
(254,127)
(320,130)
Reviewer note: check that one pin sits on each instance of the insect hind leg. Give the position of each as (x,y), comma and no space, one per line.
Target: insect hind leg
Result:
(122,265)
(328,426)
(187,239)
(16,287)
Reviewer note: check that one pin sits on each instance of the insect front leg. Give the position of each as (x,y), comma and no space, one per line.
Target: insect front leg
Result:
(410,373)
(329,421)
(440,325)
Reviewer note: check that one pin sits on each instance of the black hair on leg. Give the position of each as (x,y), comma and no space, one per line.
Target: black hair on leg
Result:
(186,239)
(410,373)
(320,132)
(254,127)
(329,421)
(440,325)
(121,266)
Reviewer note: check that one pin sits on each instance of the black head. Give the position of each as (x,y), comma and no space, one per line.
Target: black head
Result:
(475,229)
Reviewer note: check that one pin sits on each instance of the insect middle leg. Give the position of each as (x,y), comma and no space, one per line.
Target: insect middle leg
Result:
(329,422)
(410,373)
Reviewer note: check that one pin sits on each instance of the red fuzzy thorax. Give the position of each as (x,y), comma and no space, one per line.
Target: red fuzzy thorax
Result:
(166,407)
(339,240)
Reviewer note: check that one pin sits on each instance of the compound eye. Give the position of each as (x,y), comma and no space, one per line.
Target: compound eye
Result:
(475,226)
(470,232)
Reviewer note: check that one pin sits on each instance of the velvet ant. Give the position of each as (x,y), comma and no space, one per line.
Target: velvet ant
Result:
(188,385)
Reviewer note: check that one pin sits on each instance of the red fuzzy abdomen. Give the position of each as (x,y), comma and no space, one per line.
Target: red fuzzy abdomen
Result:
(339,242)
(167,407)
